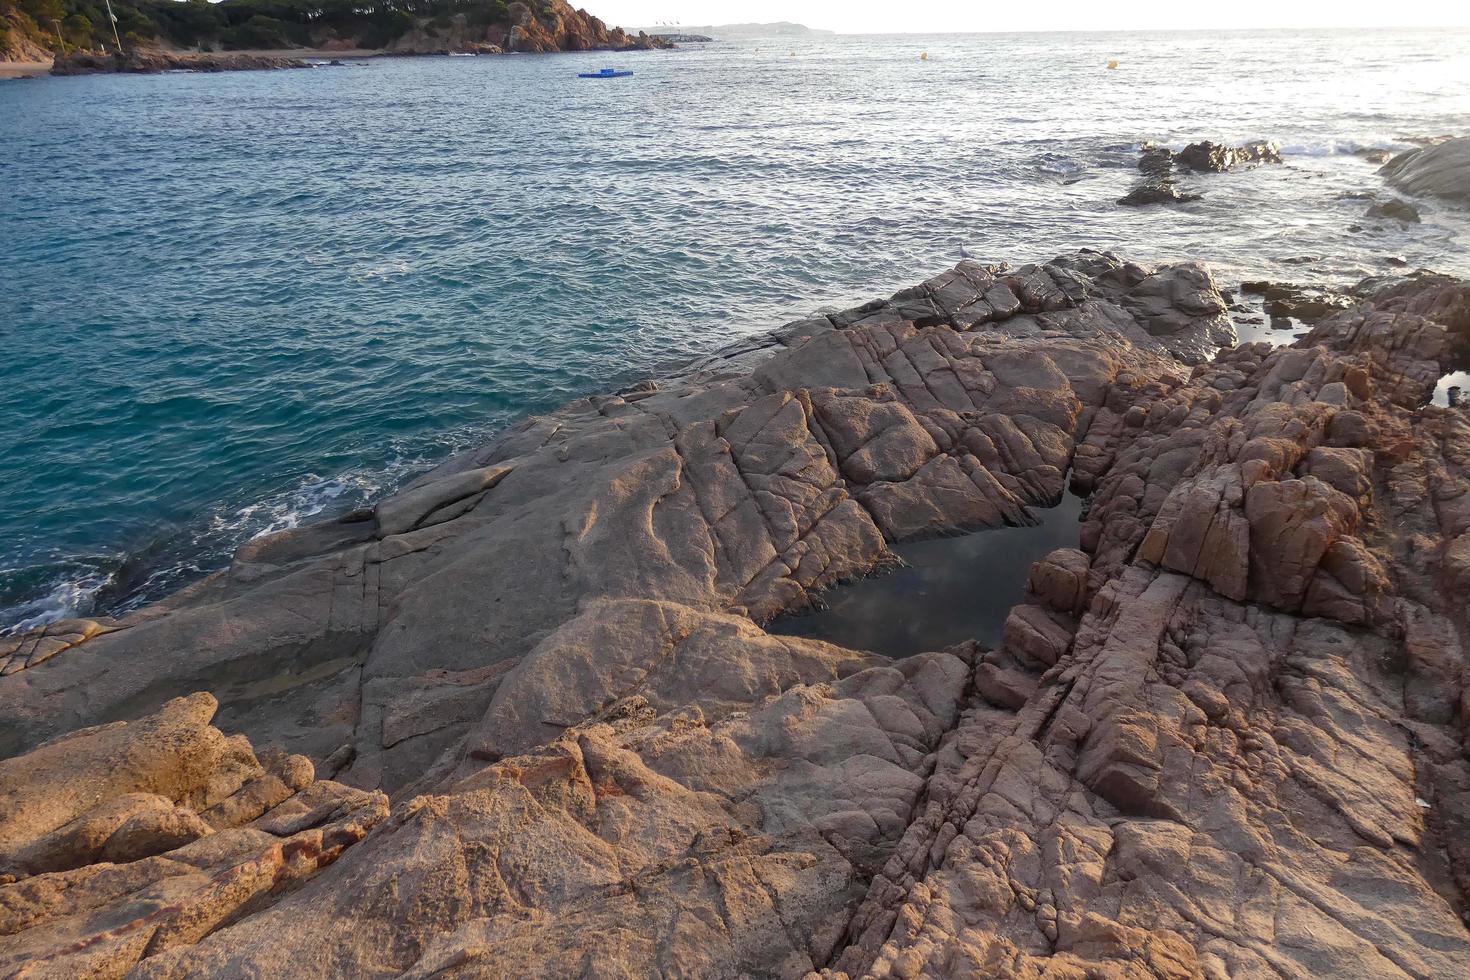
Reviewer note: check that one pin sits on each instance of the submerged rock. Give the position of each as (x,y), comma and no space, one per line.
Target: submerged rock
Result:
(1287,300)
(1157,192)
(1221,737)
(1442,169)
(1395,208)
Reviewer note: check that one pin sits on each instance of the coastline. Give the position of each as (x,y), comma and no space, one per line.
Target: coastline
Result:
(149,61)
(549,649)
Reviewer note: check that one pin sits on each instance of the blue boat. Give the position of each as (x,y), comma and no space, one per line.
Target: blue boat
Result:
(606,73)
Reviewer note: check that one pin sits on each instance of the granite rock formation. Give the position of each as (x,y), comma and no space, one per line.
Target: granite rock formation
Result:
(1223,736)
(1156,192)
(121,842)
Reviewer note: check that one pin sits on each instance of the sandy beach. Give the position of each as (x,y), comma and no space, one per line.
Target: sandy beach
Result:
(23,69)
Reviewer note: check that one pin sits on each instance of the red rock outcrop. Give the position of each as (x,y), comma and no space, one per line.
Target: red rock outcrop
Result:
(532,28)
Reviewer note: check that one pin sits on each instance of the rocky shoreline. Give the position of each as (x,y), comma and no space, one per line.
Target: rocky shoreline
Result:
(146,61)
(522,718)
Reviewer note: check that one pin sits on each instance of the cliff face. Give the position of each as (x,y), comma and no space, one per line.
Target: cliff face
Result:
(1223,736)
(561,28)
(539,29)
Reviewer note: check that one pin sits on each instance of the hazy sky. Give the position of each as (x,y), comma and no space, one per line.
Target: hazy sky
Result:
(888,16)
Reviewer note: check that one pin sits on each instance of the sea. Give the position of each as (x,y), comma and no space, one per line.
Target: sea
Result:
(234,303)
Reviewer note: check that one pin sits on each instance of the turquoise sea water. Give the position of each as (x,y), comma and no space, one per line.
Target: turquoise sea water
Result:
(230,303)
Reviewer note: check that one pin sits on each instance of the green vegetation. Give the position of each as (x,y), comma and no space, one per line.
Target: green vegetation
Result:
(232,24)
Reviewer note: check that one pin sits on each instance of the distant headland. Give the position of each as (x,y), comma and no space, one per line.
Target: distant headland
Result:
(727,31)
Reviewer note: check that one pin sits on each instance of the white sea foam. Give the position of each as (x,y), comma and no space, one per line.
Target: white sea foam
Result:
(313,497)
(1337,148)
(379,270)
(68,598)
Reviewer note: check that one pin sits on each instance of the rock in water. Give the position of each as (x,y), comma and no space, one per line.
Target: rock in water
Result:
(1156,192)
(1158,163)
(1155,160)
(1442,169)
(1297,302)
(1209,157)
(1395,208)
(1223,737)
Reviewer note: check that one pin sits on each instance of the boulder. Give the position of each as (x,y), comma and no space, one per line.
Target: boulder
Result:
(1441,169)
(1206,156)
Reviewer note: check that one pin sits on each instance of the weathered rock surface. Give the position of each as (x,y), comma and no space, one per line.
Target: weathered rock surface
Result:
(121,842)
(1210,157)
(1224,736)
(1206,156)
(1442,169)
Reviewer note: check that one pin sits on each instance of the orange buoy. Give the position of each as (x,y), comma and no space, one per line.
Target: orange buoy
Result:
(1112,64)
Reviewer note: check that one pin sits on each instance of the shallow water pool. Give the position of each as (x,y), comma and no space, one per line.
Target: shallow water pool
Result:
(950,590)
